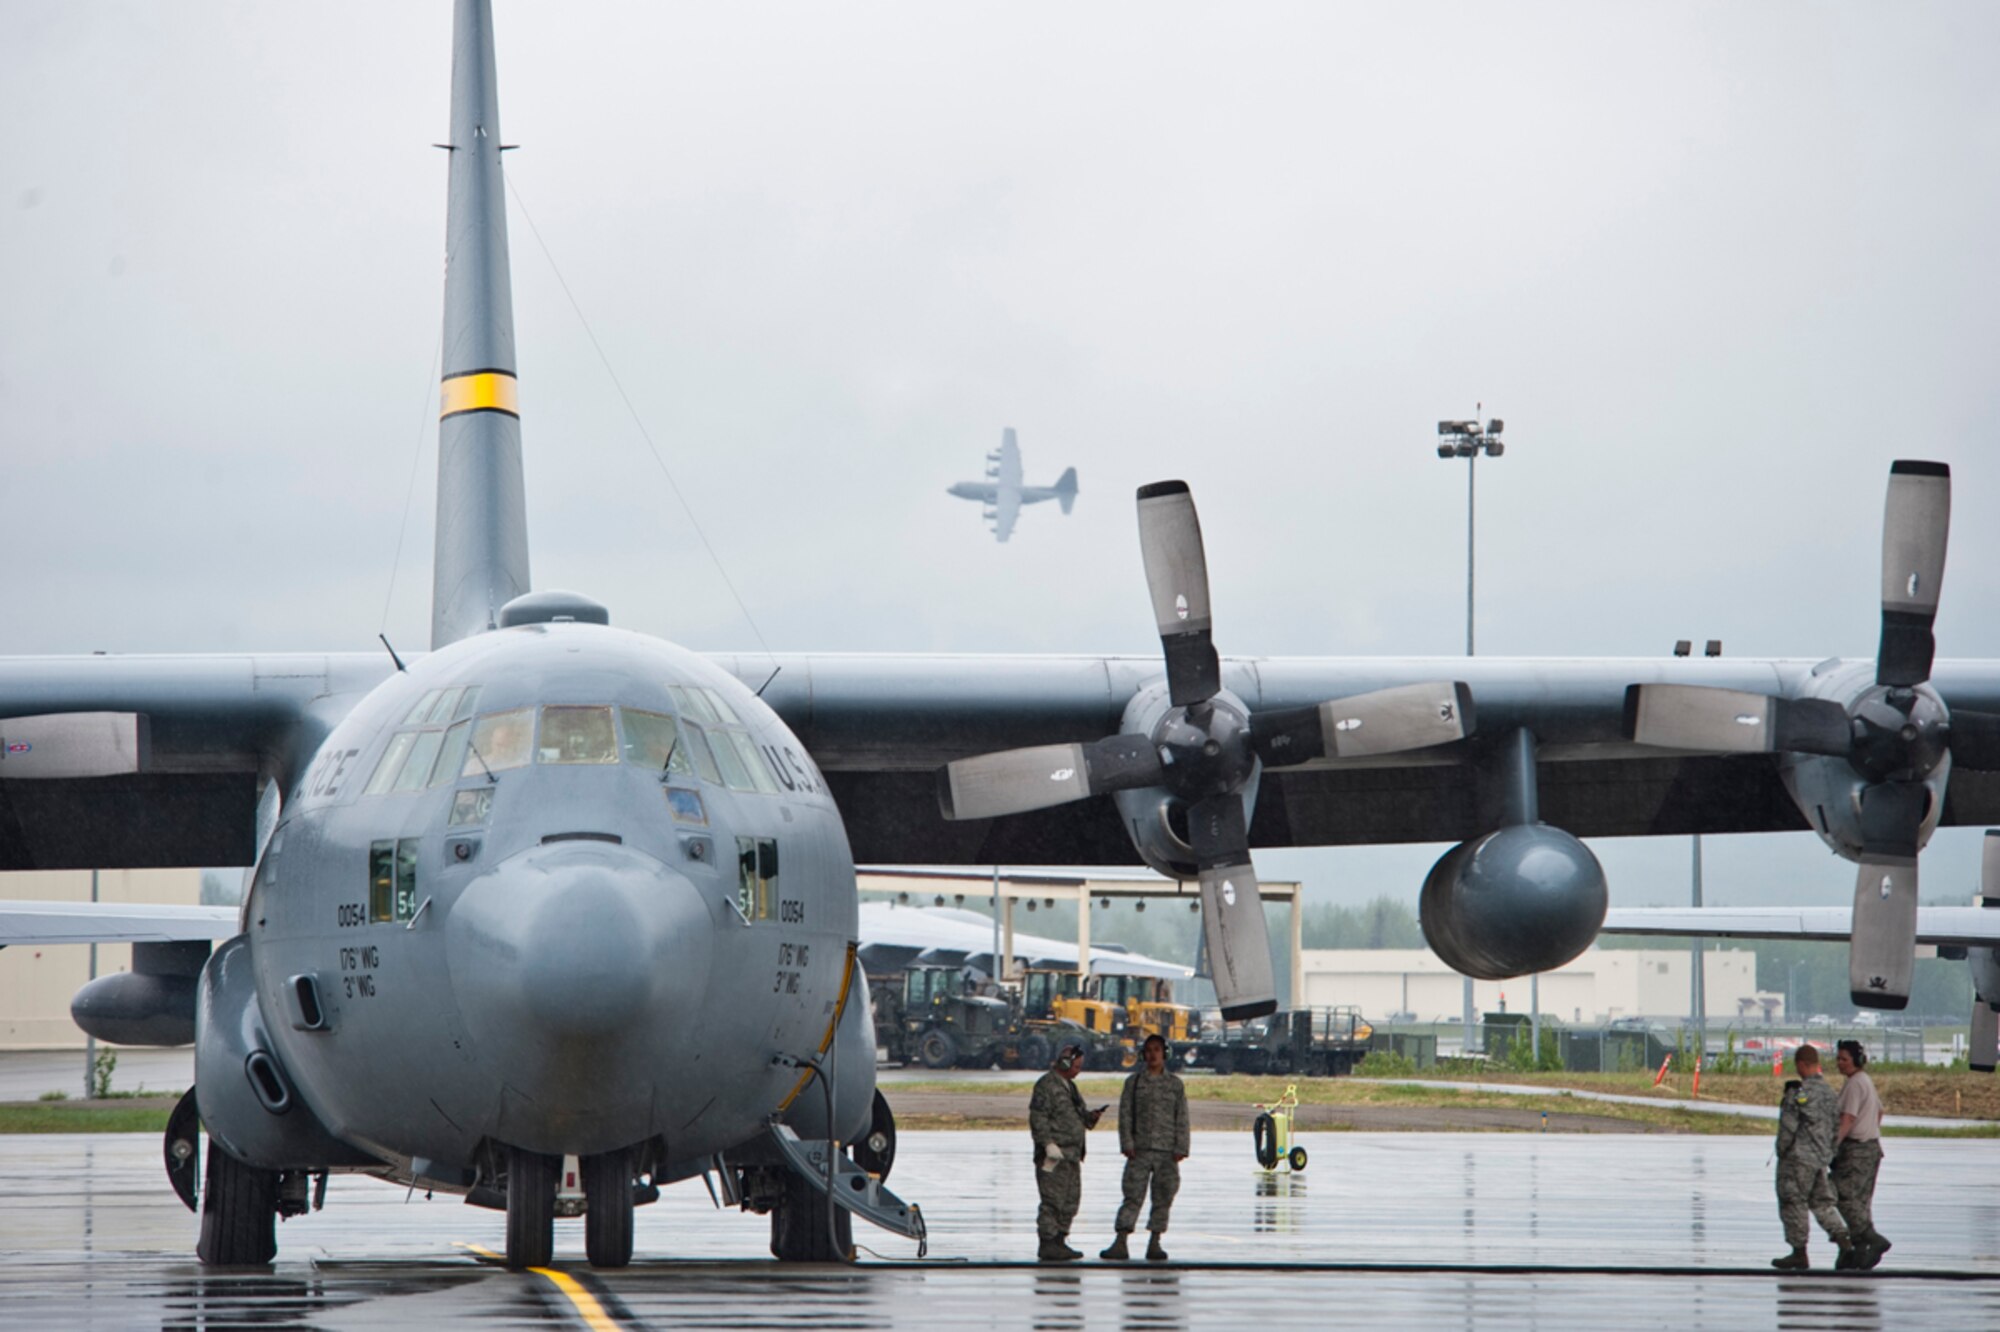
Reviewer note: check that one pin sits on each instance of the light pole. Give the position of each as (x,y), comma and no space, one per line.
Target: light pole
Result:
(1697,983)
(1467,440)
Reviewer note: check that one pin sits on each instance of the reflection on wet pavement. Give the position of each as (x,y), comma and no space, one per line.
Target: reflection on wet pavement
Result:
(1381,1228)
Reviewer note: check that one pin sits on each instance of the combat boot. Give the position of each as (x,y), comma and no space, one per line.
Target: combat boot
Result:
(1064,1252)
(1869,1249)
(1154,1253)
(1117,1253)
(1849,1257)
(1052,1251)
(1795,1261)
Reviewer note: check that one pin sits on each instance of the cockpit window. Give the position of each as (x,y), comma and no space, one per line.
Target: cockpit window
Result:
(576,735)
(451,758)
(735,775)
(704,759)
(499,740)
(752,760)
(693,703)
(652,741)
(391,764)
(416,773)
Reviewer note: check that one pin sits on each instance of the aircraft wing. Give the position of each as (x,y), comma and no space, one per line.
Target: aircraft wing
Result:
(880,727)
(130,762)
(948,935)
(1968,926)
(112,922)
(1006,508)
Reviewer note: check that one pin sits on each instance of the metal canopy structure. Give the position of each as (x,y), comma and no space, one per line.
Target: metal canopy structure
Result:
(957,886)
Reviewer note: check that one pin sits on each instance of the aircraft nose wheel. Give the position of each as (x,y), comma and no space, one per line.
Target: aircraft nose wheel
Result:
(607,1219)
(531,1208)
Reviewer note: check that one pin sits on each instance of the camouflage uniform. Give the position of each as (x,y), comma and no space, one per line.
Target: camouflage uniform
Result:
(1859,1155)
(1152,1132)
(1807,1121)
(1056,1115)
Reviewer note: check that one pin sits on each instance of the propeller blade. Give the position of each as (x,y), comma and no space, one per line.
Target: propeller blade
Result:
(73,744)
(1975,742)
(1232,910)
(1017,780)
(1730,721)
(1384,721)
(1916,522)
(1177,577)
(1881,956)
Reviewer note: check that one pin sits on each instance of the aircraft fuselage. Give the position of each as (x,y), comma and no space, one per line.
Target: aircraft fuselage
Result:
(559,886)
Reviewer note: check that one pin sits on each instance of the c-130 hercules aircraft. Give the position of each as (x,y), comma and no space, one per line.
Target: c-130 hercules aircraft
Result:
(1002,492)
(557,890)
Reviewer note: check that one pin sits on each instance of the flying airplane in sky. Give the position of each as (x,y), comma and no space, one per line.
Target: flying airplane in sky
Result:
(555,891)
(1002,493)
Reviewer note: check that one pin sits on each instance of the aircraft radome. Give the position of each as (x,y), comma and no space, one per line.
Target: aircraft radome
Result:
(554,889)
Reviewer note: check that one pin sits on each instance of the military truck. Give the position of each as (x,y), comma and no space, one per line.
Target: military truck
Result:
(1316,1042)
(931,1015)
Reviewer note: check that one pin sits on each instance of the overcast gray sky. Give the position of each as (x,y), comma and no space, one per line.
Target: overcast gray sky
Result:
(1716,265)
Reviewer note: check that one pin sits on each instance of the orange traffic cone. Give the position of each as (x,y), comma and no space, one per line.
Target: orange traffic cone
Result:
(1665,1064)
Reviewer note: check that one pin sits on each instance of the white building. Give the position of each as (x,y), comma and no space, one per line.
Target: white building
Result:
(1598,987)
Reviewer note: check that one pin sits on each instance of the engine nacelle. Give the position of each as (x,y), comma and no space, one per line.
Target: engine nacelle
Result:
(1828,791)
(1152,816)
(1522,899)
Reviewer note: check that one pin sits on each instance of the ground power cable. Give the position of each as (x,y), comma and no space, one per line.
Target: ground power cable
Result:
(637,421)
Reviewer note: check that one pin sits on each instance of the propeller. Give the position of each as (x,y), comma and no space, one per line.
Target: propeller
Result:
(1206,751)
(1895,735)
(1983,1044)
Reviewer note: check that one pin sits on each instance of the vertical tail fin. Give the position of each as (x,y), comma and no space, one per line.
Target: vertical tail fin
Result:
(481,557)
(1066,488)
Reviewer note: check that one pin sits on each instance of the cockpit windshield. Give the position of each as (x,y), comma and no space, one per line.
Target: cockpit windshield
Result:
(653,740)
(576,735)
(441,742)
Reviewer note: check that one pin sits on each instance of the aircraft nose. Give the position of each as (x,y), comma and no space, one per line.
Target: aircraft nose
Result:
(579,940)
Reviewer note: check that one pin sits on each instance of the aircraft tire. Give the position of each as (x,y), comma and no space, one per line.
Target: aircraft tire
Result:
(531,1208)
(799,1230)
(239,1213)
(936,1049)
(607,1218)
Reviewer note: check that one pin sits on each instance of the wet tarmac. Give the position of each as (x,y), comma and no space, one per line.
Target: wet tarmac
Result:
(1481,1230)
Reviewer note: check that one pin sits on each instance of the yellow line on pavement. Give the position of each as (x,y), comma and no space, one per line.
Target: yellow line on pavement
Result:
(586,1304)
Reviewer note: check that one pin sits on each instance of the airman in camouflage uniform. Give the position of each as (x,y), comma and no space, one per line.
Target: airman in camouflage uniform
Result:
(1857,1155)
(1153,1134)
(1058,1121)
(1806,1122)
